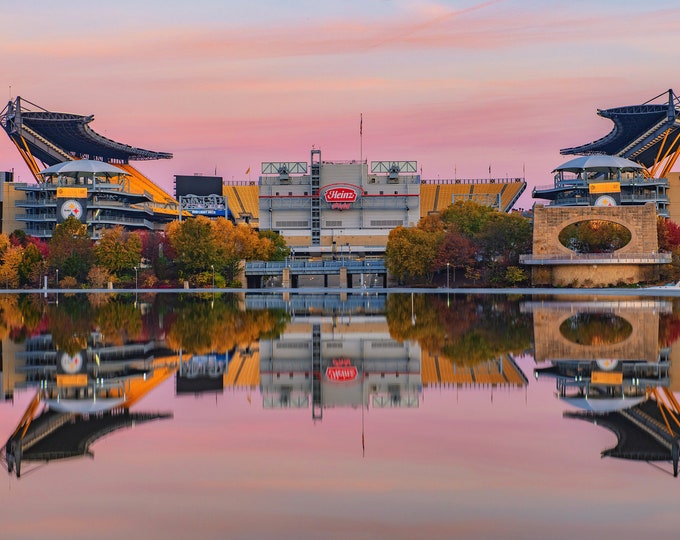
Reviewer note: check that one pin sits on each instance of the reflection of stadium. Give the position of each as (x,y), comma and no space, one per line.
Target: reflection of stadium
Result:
(80,396)
(600,366)
(609,369)
(351,361)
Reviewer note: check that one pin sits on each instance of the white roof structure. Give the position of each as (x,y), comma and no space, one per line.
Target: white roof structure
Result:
(84,406)
(598,162)
(597,404)
(84,166)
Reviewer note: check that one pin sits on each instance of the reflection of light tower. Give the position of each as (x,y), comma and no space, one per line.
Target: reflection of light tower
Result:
(413,314)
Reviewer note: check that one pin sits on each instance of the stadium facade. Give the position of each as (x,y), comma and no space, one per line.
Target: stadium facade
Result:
(47,139)
(322,208)
(346,208)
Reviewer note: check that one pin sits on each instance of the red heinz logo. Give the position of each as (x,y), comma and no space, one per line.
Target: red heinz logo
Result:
(341,370)
(340,194)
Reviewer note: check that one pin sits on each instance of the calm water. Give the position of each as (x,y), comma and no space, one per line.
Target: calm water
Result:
(373,416)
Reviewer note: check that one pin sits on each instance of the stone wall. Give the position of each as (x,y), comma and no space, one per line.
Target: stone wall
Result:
(550,221)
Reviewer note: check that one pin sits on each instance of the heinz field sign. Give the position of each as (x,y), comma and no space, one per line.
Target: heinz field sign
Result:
(341,196)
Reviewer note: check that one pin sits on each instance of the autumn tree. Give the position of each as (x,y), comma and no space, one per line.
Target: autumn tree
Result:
(193,241)
(70,249)
(469,217)
(9,267)
(411,252)
(456,251)
(668,233)
(32,265)
(202,244)
(118,251)
(279,249)
(669,241)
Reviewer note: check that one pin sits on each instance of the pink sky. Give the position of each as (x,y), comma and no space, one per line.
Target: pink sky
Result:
(457,86)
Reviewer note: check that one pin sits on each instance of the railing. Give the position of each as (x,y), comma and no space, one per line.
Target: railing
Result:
(375,266)
(597,258)
(473,180)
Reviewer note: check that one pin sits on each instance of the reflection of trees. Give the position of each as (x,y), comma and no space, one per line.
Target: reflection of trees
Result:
(202,326)
(71,322)
(669,325)
(119,322)
(472,329)
(596,329)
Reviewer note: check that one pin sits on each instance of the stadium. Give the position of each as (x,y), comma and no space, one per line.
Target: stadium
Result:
(631,165)
(321,208)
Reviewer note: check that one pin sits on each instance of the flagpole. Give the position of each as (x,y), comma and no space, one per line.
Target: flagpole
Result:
(361,145)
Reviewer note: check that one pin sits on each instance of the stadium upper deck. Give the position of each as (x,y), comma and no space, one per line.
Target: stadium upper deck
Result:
(648,134)
(45,138)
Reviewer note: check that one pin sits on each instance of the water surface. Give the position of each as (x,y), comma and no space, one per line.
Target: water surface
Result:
(329,416)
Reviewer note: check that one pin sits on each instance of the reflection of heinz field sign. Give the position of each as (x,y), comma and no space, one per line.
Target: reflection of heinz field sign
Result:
(341,196)
(341,371)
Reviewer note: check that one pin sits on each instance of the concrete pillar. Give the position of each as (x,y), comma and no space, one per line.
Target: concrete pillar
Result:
(285,279)
(343,277)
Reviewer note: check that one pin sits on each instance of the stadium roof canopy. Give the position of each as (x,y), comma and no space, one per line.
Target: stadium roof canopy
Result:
(645,133)
(598,163)
(88,166)
(52,136)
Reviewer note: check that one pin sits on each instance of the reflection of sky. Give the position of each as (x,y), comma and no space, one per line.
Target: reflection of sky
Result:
(469,462)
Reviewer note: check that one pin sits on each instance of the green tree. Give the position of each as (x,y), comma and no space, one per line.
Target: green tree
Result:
(469,217)
(193,241)
(503,238)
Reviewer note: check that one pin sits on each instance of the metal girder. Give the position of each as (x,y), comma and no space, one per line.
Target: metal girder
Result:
(390,166)
(290,167)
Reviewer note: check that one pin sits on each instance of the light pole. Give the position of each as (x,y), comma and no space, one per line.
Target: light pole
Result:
(448,264)
(57,284)
(136,280)
(212,266)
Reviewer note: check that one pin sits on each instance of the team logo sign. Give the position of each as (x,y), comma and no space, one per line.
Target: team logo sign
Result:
(71,208)
(71,364)
(605,200)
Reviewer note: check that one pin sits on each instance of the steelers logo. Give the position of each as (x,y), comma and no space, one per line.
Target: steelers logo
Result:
(72,208)
(605,200)
(71,364)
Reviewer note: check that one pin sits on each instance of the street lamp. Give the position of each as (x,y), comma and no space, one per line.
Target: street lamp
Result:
(447,274)
(136,281)
(213,272)
(57,284)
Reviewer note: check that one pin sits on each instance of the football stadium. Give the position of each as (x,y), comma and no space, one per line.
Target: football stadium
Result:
(320,207)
